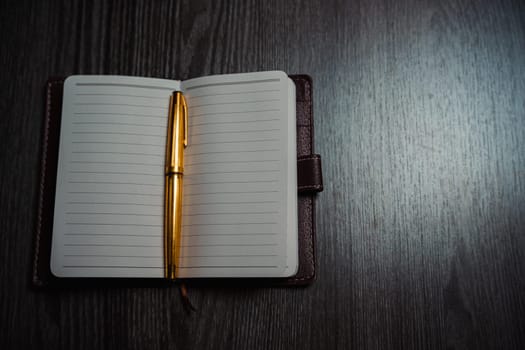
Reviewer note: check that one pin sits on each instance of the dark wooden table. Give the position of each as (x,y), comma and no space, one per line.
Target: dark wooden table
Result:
(420,120)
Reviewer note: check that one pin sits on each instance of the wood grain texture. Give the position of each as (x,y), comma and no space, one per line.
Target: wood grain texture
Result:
(420,119)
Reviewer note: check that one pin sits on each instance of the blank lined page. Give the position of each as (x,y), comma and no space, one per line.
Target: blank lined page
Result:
(109,196)
(238,214)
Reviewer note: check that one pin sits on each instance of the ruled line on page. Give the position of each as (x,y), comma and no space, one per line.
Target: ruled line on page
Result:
(232,132)
(236,141)
(115,183)
(226,192)
(229,256)
(112,203)
(154,87)
(180,267)
(233,152)
(229,245)
(118,104)
(120,95)
(192,115)
(234,161)
(110,234)
(120,114)
(235,202)
(227,266)
(109,256)
(111,245)
(231,224)
(110,224)
(111,173)
(113,213)
(111,266)
(113,133)
(115,193)
(111,162)
(229,182)
(234,103)
(233,122)
(118,143)
(232,213)
(230,234)
(120,153)
(248,82)
(117,123)
(233,172)
(232,93)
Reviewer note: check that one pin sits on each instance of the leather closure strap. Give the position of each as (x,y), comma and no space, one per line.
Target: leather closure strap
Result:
(309,174)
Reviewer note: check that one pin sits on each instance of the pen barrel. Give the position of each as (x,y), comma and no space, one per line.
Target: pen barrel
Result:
(172,224)
(177,139)
(177,133)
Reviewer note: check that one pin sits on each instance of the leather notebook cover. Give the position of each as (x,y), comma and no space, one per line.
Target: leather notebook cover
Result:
(309,181)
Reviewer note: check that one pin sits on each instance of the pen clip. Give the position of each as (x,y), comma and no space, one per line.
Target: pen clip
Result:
(184,110)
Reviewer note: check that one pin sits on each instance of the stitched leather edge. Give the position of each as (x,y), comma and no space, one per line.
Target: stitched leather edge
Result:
(308,157)
(311,251)
(50,84)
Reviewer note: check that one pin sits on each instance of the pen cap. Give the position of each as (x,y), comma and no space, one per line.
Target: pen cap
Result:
(177,133)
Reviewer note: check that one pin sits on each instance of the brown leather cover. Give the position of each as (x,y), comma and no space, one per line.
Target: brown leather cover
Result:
(309,183)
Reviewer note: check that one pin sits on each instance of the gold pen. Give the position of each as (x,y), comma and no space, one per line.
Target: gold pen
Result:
(177,140)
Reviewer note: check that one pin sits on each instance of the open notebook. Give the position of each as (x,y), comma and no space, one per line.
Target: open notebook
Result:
(240,184)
